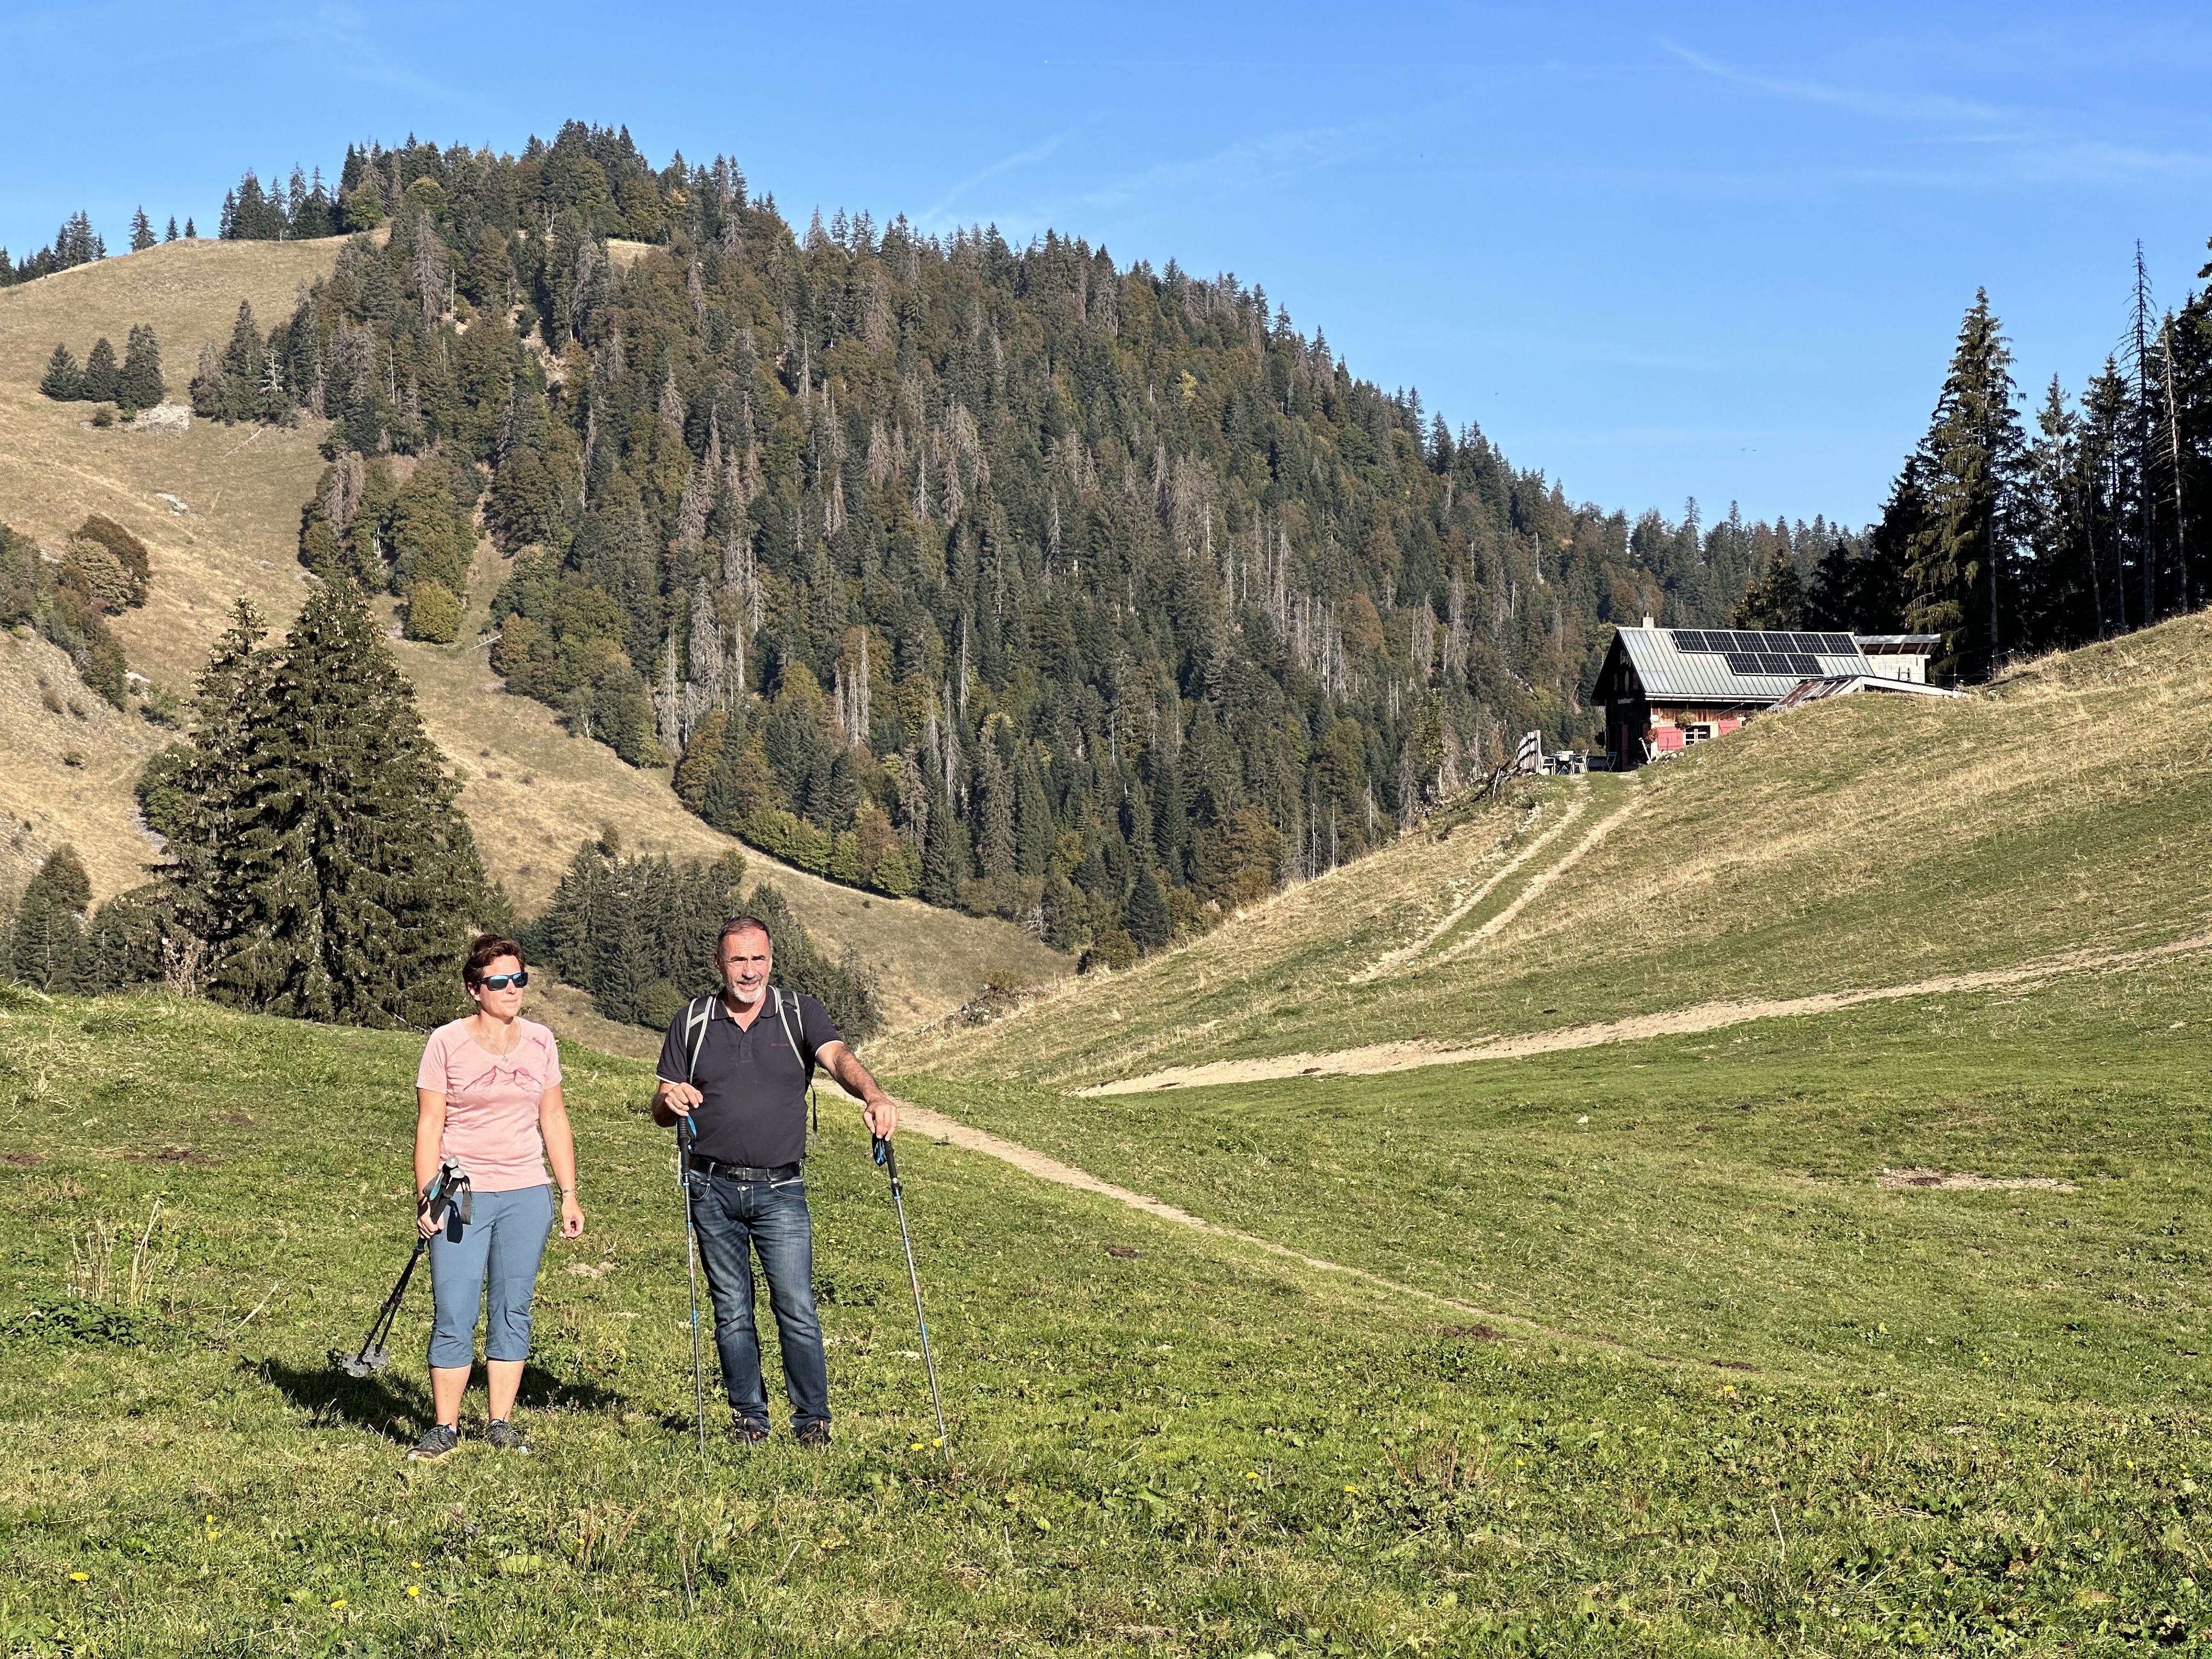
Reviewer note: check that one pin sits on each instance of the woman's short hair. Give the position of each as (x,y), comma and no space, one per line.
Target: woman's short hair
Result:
(485,950)
(743,925)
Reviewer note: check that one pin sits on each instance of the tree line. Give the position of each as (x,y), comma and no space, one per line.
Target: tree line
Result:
(1097,598)
(77,244)
(315,863)
(2007,542)
(134,383)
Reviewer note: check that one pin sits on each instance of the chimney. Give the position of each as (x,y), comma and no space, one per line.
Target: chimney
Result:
(1647,619)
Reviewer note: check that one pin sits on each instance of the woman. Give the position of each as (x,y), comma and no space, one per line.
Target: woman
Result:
(488,1095)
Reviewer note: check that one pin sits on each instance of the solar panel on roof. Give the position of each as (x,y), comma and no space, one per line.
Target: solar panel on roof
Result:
(1840,645)
(1773,662)
(1800,664)
(1743,662)
(1689,639)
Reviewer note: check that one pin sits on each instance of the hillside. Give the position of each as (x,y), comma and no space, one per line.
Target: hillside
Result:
(532,792)
(1859,843)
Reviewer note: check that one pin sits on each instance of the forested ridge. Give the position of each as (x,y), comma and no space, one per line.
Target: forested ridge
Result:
(1099,597)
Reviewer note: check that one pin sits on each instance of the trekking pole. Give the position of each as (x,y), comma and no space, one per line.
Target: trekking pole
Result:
(684,1137)
(889,1161)
(448,1193)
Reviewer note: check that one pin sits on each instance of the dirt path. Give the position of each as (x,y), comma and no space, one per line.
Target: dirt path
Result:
(917,1119)
(1398,958)
(1706,1017)
(1542,879)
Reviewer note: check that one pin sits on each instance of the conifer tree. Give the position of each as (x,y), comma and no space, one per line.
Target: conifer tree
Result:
(238,397)
(142,232)
(191,234)
(64,379)
(219,846)
(49,931)
(361,914)
(1775,600)
(138,383)
(1961,567)
(1146,916)
(99,373)
(172,235)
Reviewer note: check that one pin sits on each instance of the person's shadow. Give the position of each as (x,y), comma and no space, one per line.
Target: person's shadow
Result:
(397,1403)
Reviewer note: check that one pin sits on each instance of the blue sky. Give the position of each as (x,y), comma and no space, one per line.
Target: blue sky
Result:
(1657,252)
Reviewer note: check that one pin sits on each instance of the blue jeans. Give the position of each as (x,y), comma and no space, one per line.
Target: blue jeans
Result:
(505,1241)
(734,1218)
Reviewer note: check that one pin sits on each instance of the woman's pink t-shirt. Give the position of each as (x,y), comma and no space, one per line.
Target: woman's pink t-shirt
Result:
(491,1102)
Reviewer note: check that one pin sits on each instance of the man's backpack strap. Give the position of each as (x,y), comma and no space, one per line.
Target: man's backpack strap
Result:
(805,1057)
(696,1014)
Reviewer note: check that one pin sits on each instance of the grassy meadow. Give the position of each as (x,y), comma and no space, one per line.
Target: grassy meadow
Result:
(532,792)
(1866,840)
(1163,1442)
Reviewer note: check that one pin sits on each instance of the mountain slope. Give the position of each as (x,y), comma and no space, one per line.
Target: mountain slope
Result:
(531,792)
(1859,842)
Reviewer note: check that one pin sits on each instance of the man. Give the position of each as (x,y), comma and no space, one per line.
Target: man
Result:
(740,1077)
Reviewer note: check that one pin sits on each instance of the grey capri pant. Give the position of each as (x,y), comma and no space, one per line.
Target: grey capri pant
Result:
(504,1242)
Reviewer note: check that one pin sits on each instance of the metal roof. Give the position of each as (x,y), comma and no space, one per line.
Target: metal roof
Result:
(1722,665)
(1898,644)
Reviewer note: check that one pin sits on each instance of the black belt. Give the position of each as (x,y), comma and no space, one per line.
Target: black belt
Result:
(715,1166)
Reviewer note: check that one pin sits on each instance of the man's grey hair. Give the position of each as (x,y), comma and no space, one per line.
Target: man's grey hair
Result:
(743,925)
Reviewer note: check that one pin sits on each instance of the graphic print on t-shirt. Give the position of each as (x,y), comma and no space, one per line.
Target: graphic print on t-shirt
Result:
(492,1102)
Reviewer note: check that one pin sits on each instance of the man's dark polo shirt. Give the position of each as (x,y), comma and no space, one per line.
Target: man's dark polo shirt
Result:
(753,1087)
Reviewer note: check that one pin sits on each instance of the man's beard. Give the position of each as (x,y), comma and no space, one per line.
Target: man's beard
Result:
(749,993)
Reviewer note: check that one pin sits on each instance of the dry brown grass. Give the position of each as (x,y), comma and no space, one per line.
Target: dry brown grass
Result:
(45,799)
(1865,842)
(532,792)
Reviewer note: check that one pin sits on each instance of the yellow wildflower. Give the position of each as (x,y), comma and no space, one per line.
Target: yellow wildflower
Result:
(414,1589)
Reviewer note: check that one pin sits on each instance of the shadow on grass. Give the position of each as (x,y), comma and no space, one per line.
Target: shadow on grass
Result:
(397,1403)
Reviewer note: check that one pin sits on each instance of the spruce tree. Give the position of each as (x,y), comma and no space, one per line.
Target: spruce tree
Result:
(1146,916)
(1961,567)
(139,384)
(172,236)
(49,932)
(368,881)
(142,232)
(64,379)
(242,366)
(220,844)
(1777,600)
(191,234)
(99,373)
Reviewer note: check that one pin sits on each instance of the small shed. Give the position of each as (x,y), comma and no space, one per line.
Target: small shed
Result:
(1900,656)
(1665,689)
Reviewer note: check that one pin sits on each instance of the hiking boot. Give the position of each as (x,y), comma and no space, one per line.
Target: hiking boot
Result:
(437,1440)
(814,1434)
(505,1436)
(747,1432)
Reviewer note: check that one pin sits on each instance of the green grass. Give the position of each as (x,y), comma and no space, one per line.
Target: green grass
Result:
(1195,1450)
(1713,1197)
(1862,842)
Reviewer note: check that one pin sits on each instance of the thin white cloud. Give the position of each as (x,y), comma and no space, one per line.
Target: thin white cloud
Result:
(2019,150)
(1885,106)
(935,212)
(347,44)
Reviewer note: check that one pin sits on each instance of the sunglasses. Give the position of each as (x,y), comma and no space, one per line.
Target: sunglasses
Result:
(501,981)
